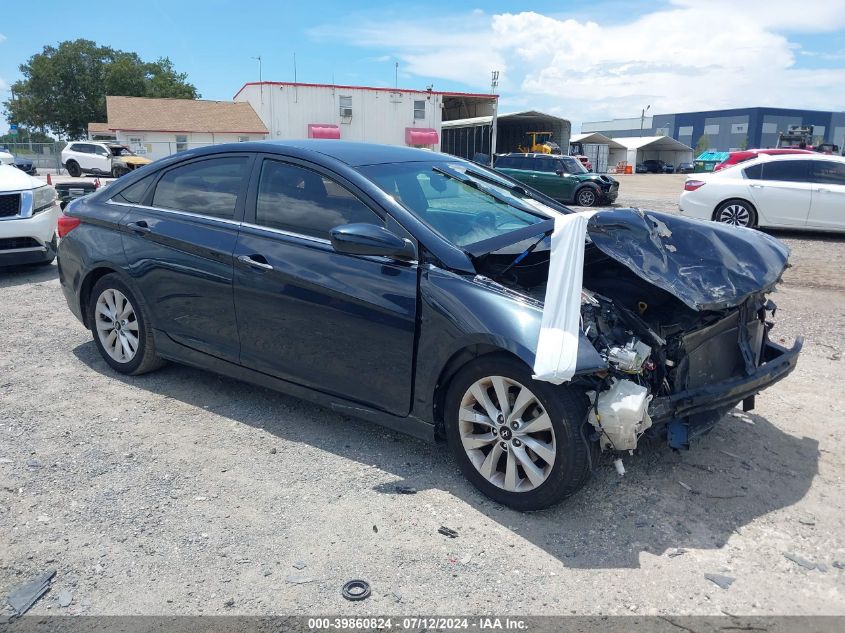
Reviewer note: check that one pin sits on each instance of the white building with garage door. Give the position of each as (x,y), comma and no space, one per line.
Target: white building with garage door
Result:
(393,116)
(665,148)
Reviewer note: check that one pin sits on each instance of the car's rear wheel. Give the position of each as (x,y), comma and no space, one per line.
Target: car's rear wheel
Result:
(586,197)
(737,213)
(73,169)
(518,440)
(117,172)
(121,327)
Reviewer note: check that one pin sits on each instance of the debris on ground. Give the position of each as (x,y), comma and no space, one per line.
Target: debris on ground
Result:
(64,598)
(296,579)
(803,562)
(273,451)
(375,529)
(22,597)
(743,417)
(356,590)
(722,581)
(447,532)
(300,564)
(229,603)
(807,519)
(680,551)
(406,490)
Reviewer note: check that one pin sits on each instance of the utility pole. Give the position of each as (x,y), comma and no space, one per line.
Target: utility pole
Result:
(494,82)
(260,78)
(396,77)
(642,118)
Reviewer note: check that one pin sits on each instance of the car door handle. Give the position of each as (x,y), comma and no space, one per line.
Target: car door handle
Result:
(140,227)
(255,261)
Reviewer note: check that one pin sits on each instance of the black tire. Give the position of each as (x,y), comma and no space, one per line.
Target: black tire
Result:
(117,172)
(73,169)
(145,358)
(567,409)
(587,197)
(735,212)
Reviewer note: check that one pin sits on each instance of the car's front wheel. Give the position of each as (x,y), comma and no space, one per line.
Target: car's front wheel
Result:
(121,327)
(736,212)
(518,440)
(586,197)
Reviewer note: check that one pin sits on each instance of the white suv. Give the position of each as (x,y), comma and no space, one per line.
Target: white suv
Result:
(102,159)
(29,213)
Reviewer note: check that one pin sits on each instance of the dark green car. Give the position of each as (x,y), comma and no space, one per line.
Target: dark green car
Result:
(563,178)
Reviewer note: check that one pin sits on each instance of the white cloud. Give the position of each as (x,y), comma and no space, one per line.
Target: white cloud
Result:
(691,55)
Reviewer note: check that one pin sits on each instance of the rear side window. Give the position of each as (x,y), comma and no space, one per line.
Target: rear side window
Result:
(209,187)
(546,164)
(755,172)
(133,194)
(829,172)
(295,199)
(508,162)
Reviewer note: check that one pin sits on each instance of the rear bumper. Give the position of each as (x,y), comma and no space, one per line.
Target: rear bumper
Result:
(778,363)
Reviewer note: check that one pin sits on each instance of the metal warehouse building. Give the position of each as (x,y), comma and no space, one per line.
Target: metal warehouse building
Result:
(726,129)
(392,116)
(471,136)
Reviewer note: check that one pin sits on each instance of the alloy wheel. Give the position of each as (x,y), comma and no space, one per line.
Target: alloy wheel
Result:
(117,325)
(586,198)
(507,434)
(735,214)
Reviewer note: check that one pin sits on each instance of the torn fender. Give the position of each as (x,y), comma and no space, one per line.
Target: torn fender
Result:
(707,265)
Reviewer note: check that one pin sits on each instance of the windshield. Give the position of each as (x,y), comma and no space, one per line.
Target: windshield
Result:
(463,203)
(120,151)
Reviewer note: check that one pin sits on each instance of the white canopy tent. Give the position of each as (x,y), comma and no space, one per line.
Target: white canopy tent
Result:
(663,148)
(616,152)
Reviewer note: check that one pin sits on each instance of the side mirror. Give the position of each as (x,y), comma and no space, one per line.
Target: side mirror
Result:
(560,172)
(371,239)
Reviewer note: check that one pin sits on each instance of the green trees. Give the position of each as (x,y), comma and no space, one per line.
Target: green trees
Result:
(64,87)
(703,145)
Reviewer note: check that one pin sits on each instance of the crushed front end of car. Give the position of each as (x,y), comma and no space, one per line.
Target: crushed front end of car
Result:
(677,308)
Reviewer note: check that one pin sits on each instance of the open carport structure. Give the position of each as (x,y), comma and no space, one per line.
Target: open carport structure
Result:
(469,137)
(602,150)
(663,148)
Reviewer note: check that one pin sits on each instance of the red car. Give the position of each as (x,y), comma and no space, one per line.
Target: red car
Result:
(747,154)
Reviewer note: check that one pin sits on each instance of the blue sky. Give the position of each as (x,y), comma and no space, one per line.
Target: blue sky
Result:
(581,60)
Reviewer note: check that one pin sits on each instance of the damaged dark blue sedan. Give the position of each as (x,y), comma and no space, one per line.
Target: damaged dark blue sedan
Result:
(411,288)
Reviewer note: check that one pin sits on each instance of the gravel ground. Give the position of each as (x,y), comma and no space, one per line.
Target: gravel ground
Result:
(181,492)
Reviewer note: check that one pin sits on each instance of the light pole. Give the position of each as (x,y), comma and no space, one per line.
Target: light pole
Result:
(642,118)
(494,82)
(260,81)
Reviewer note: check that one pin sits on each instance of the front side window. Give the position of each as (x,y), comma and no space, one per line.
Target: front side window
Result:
(573,165)
(299,200)
(463,208)
(419,109)
(829,172)
(181,142)
(209,187)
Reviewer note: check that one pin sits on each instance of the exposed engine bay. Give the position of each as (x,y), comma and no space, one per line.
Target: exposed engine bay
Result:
(660,346)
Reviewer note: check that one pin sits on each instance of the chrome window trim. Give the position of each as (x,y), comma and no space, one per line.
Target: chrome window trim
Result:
(302,236)
(174,211)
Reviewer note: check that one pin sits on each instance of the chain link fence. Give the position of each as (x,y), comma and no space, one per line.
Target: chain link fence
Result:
(47,157)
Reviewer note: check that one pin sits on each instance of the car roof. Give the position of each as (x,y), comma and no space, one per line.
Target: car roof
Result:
(769,158)
(534,155)
(355,154)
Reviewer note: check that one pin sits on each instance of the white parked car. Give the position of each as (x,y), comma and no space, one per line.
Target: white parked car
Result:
(29,213)
(796,191)
(5,157)
(97,158)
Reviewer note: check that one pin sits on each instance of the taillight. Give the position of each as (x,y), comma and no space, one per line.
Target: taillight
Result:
(692,185)
(66,224)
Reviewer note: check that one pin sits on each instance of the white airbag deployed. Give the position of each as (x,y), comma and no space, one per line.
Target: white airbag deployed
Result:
(557,347)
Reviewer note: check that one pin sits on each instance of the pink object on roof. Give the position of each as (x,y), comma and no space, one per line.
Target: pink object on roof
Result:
(421,136)
(323,130)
